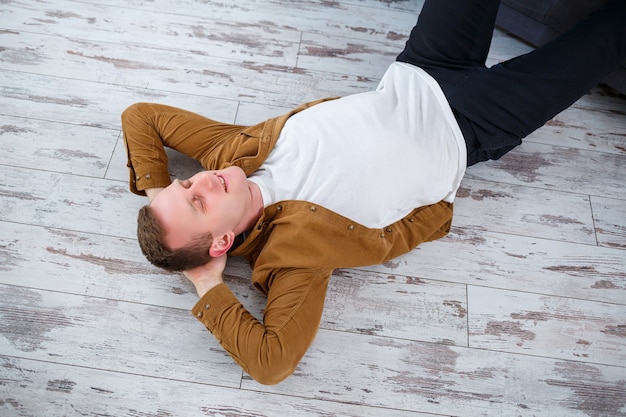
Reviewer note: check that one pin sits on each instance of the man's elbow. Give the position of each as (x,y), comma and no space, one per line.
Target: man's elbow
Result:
(272,374)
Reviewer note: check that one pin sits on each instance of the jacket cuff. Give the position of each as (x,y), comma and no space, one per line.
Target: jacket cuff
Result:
(148,176)
(212,306)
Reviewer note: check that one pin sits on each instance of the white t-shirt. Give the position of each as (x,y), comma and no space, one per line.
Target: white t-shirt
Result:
(372,157)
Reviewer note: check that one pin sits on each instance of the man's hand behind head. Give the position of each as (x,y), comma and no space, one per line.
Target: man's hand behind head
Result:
(207,276)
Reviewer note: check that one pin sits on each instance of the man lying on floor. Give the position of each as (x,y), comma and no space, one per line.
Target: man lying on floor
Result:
(346,182)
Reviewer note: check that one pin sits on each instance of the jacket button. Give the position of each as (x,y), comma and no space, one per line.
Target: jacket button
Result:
(411,220)
(207,306)
(388,230)
(351,227)
(199,315)
(148,176)
(313,208)
(382,235)
(279,208)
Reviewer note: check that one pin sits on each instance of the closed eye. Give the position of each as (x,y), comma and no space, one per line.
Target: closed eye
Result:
(199,203)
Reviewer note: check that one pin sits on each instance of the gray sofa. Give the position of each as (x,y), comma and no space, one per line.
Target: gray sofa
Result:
(538,21)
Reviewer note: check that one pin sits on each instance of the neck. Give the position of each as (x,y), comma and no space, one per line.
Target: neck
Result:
(255,209)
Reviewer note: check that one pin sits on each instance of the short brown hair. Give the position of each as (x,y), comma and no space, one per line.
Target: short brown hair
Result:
(151,236)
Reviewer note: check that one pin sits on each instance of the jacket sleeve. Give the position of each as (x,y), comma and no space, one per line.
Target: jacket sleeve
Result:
(269,351)
(145,151)
(149,128)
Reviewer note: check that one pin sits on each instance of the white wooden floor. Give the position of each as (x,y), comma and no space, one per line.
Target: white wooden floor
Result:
(520,311)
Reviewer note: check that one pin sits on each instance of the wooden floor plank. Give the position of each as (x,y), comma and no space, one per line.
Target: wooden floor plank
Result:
(51,98)
(529,211)
(581,128)
(87,264)
(371,19)
(608,216)
(396,306)
(59,147)
(117,19)
(519,263)
(104,334)
(546,326)
(67,202)
(557,168)
(347,55)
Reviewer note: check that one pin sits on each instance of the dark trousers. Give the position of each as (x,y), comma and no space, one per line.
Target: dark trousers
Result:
(498,106)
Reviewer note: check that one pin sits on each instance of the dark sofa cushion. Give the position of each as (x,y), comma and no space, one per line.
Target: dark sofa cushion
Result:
(539,21)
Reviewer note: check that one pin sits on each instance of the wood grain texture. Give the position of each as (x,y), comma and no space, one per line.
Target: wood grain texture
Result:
(518,263)
(519,311)
(62,390)
(461,381)
(549,326)
(524,210)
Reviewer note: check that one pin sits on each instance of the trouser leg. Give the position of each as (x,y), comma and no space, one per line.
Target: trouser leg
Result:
(451,34)
(451,41)
(497,107)
(503,104)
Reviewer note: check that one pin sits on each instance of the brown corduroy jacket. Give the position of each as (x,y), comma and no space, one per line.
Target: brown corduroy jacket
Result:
(293,250)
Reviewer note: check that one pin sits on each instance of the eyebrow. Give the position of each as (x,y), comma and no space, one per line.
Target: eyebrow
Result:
(193,208)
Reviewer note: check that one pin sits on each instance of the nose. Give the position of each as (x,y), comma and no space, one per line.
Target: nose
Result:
(205,181)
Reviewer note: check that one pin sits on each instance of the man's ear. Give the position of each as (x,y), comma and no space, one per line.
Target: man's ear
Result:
(221,244)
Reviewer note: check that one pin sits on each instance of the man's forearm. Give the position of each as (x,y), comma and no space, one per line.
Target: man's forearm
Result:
(268,351)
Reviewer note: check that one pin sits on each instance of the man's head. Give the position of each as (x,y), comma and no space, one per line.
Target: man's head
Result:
(151,236)
(193,220)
